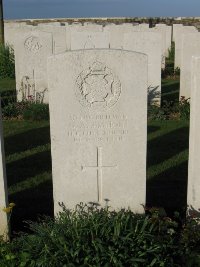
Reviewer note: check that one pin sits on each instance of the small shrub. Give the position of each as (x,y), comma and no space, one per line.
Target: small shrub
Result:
(169,70)
(14,110)
(36,112)
(91,236)
(7,97)
(171,52)
(170,110)
(7,62)
(184,108)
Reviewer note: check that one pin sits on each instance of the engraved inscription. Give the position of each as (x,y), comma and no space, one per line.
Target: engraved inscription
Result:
(97,87)
(97,127)
(99,169)
(32,44)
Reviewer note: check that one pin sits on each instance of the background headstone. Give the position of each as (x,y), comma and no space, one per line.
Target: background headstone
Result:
(176,28)
(148,43)
(31,53)
(88,40)
(193,196)
(59,37)
(98,133)
(116,32)
(178,42)
(167,31)
(3,188)
(190,47)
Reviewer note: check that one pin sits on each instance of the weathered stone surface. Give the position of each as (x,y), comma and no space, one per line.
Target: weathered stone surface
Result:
(87,40)
(190,47)
(3,188)
(98,116)
(193,196)
(117,32)
(86,27)
(166,31)
(178,42)
(176,28)
(31,52)
(148,43)
(13,32)
(59,37)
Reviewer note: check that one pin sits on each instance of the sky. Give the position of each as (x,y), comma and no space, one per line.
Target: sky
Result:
(29,9)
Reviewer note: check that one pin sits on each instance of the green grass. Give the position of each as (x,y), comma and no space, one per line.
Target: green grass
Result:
(167,164)
(6,84)
(170,90)
(28,163)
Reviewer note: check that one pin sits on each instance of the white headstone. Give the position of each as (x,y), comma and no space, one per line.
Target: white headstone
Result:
(13,31)
(59,37)
(31,54)
(4,228)
(178,42)
(193,196)
(176,28)
(87,40)
(167,31)
(148,43)
(91,27)
(98,118)
(117,32)
(190,47)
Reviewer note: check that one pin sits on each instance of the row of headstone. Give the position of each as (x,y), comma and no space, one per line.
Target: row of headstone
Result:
(36,43)
(190,47)
(187,44)
(178,31)
(99,131)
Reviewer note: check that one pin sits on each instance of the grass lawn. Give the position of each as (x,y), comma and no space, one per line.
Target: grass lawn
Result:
(170,90)
(6,84)
(28,163)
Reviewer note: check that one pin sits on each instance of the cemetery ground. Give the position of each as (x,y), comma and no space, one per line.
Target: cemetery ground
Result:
(28,166)
(28,163)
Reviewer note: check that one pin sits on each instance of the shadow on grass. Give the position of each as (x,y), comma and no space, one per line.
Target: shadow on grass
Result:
(166,146)
(27,140)
(31,204)
(20,170)
(170,91)
(152,129)
(169,189)
(29,178)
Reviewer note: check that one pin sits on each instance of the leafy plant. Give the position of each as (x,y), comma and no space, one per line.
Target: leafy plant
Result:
(36,112)
(184,108)
(14,110)
(94,236)
(7,62)
(171,53)
(170,110)
(169,70)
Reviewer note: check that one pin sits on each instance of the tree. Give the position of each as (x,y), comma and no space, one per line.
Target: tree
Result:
(1,23)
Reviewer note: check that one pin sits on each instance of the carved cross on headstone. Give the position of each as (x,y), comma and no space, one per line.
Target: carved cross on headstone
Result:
(99,169)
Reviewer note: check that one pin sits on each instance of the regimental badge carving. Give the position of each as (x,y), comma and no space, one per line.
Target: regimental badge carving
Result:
(32,44)
(97,87)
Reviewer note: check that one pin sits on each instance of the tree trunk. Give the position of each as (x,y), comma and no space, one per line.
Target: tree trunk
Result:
(1,23)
